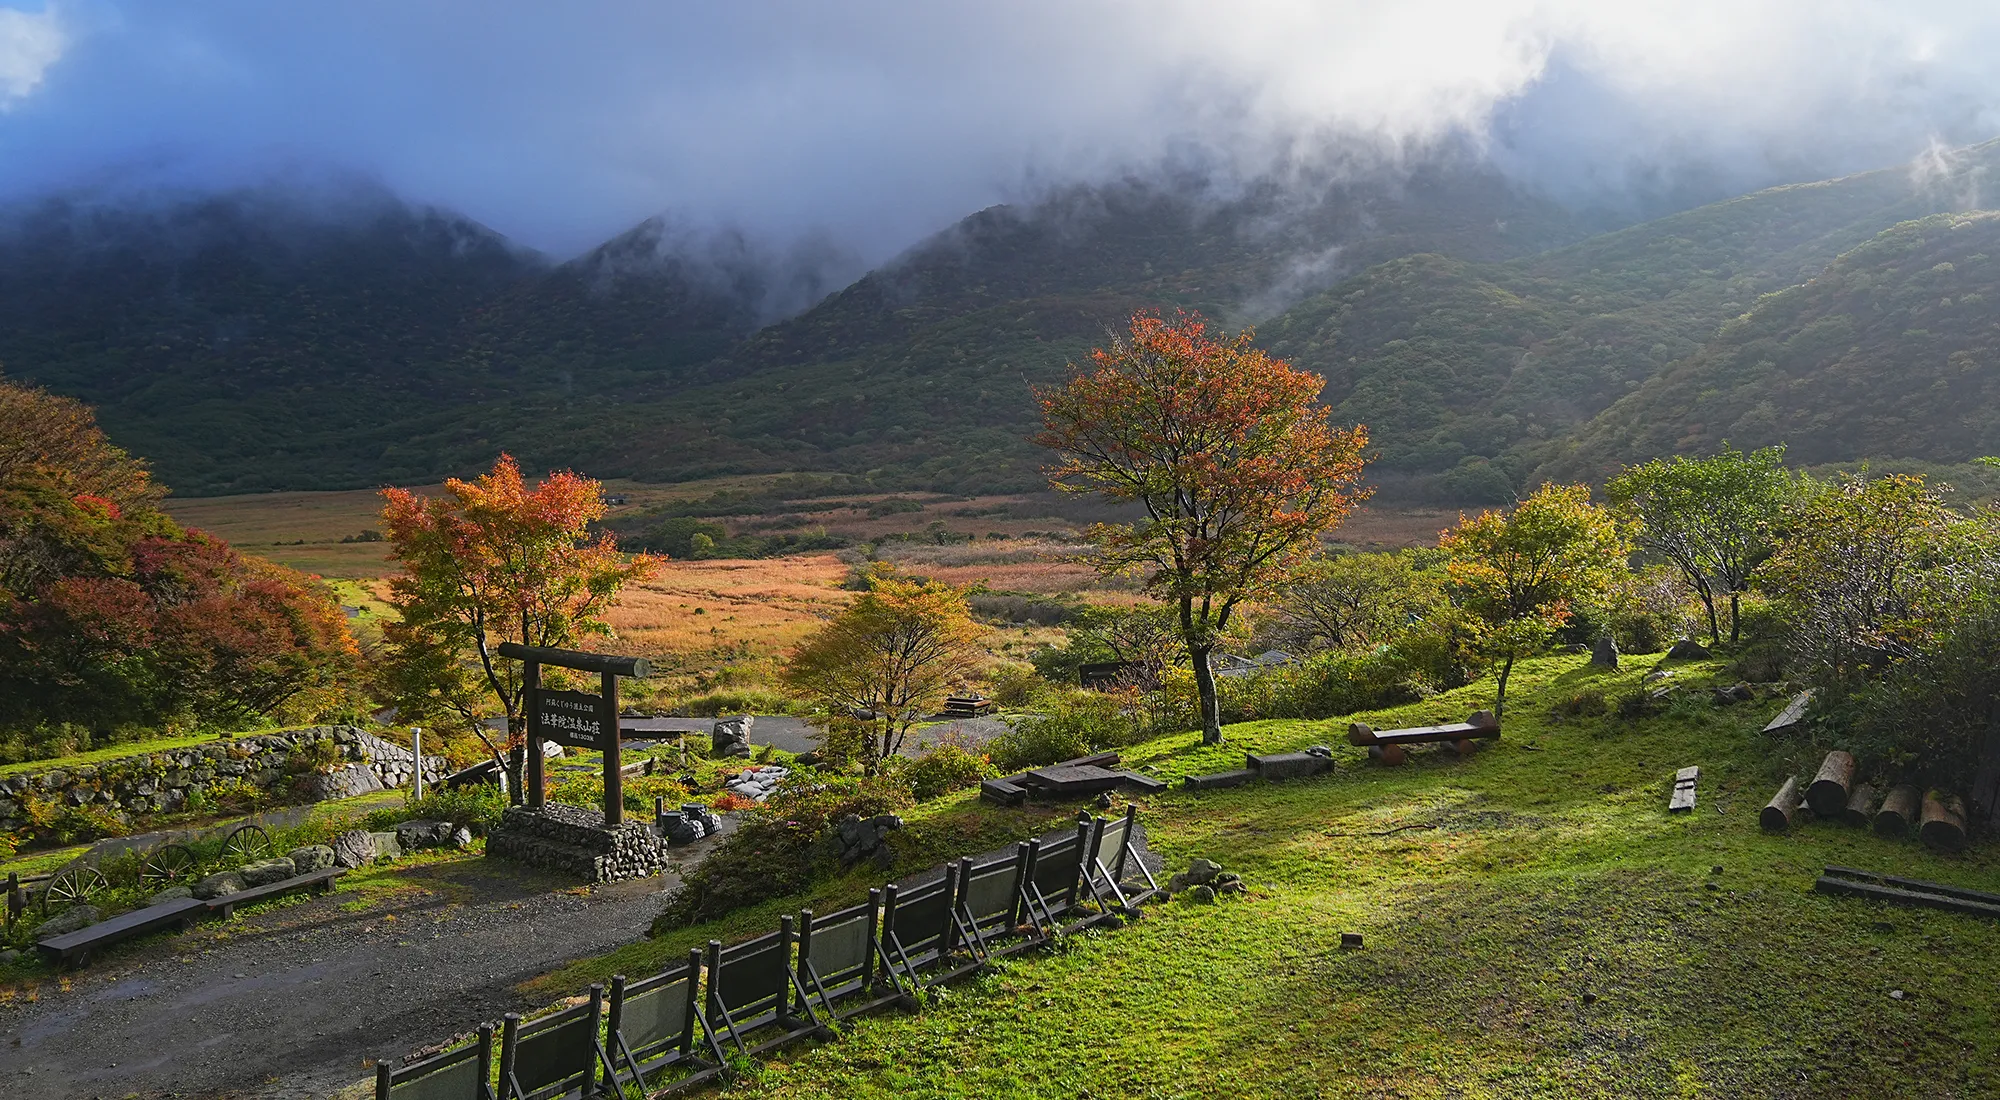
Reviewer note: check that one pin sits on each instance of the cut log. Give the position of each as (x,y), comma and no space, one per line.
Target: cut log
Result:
(1777,816)
(1828,794)
(1360,733)
(1944,822)
(1483,719)
(1860,806)
(1464,746)
(1898,812)
(1387,754)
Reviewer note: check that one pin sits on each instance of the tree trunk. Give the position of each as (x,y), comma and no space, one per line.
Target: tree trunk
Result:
(1944,822)
(1777,817)
(1735,616)
(1828,794)
(1898,811)
(1204,686)
(1500,696)
(1860,806)
(1708,604)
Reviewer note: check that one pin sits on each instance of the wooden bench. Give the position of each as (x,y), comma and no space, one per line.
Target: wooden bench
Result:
(317,881)
(968,706)
(1070,779)
(75,947)
(1387,745)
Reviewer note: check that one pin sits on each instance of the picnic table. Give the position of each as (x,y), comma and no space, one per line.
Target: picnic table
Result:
(75,947)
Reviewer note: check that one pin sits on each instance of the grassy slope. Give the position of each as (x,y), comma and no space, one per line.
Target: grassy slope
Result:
(1553,873)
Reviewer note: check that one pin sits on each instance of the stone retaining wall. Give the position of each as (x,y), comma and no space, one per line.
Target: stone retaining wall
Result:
(135,787)
(573,840)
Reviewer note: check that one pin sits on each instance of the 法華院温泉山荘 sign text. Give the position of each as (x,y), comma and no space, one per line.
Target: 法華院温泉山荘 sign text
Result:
(570,718)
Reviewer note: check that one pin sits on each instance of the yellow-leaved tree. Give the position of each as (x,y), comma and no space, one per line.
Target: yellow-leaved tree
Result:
(1525,572)
(887,660)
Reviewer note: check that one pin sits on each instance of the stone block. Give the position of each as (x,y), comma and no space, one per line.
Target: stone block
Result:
(387,846)
(266,871)
(354,848)
(72,919)
(1289,765)
(312,857)
(218,885)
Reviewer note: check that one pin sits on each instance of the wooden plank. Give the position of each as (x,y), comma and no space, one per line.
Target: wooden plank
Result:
(123,926)
(1219,780)
(1828,884)
(1457,731)
(1916,884)
(1002,792)
(1145,784)
(1793,714)
(227,903)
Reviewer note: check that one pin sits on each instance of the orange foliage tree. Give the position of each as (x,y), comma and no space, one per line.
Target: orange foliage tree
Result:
(489,561)
(1228,452)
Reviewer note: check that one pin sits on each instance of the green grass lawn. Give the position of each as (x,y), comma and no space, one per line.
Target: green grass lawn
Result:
(1553,933)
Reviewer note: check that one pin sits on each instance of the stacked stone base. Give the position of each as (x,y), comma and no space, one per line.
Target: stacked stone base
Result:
(573,840)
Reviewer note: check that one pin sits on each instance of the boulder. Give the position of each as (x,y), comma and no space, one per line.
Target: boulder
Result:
(354,848)
(1687,649)
(267,871)
(1199,873)
(218,884)
(387,846)
(461,838)
(9,957)
(69,920)
(1605,653)
(171,893)
(1199,895)
(731,736)
(423,834)
(312,857)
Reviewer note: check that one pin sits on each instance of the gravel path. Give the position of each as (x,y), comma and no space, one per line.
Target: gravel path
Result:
(291,1002)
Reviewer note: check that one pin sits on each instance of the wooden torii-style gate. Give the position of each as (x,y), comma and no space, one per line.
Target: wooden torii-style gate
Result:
(573,717)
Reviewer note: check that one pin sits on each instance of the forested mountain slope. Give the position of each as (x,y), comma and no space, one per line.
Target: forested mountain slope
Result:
(254,340)
(1472,375)
(1892,350)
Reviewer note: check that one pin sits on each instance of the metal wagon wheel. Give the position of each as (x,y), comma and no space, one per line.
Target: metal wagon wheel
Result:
(168,864)
(246,843)
(69,887)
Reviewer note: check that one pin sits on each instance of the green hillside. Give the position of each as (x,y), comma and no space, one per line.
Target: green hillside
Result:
(1469,374)
(1893,350)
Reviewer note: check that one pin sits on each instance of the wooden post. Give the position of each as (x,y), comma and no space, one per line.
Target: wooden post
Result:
(1828,794)
(417,755)
(1898,812)
(614,780)
(1943,829)
(1777,817)
(595,1028)
(1860,806)
(531,688)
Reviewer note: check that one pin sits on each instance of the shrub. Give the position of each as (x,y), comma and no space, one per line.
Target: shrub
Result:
(1075,724)
(476,807)
(942,770)
(776,850)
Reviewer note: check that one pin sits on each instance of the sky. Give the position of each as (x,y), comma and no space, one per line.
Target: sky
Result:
(878,121)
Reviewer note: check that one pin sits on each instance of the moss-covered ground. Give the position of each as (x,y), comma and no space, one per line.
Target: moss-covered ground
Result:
(1549,930)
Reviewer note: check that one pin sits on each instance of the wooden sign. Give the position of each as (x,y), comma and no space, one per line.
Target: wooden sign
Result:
(571,718)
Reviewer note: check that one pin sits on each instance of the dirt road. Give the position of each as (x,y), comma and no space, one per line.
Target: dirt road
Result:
(293,1002)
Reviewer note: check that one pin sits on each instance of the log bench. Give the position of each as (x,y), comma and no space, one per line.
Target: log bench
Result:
(968,706)
(75,947)
(1387,745)
(317,881)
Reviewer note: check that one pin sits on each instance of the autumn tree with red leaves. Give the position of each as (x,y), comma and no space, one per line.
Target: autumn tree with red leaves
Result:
(114,621)
(489,561)
(1228,452)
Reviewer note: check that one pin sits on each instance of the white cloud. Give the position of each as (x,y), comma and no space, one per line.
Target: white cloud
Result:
(30,42)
